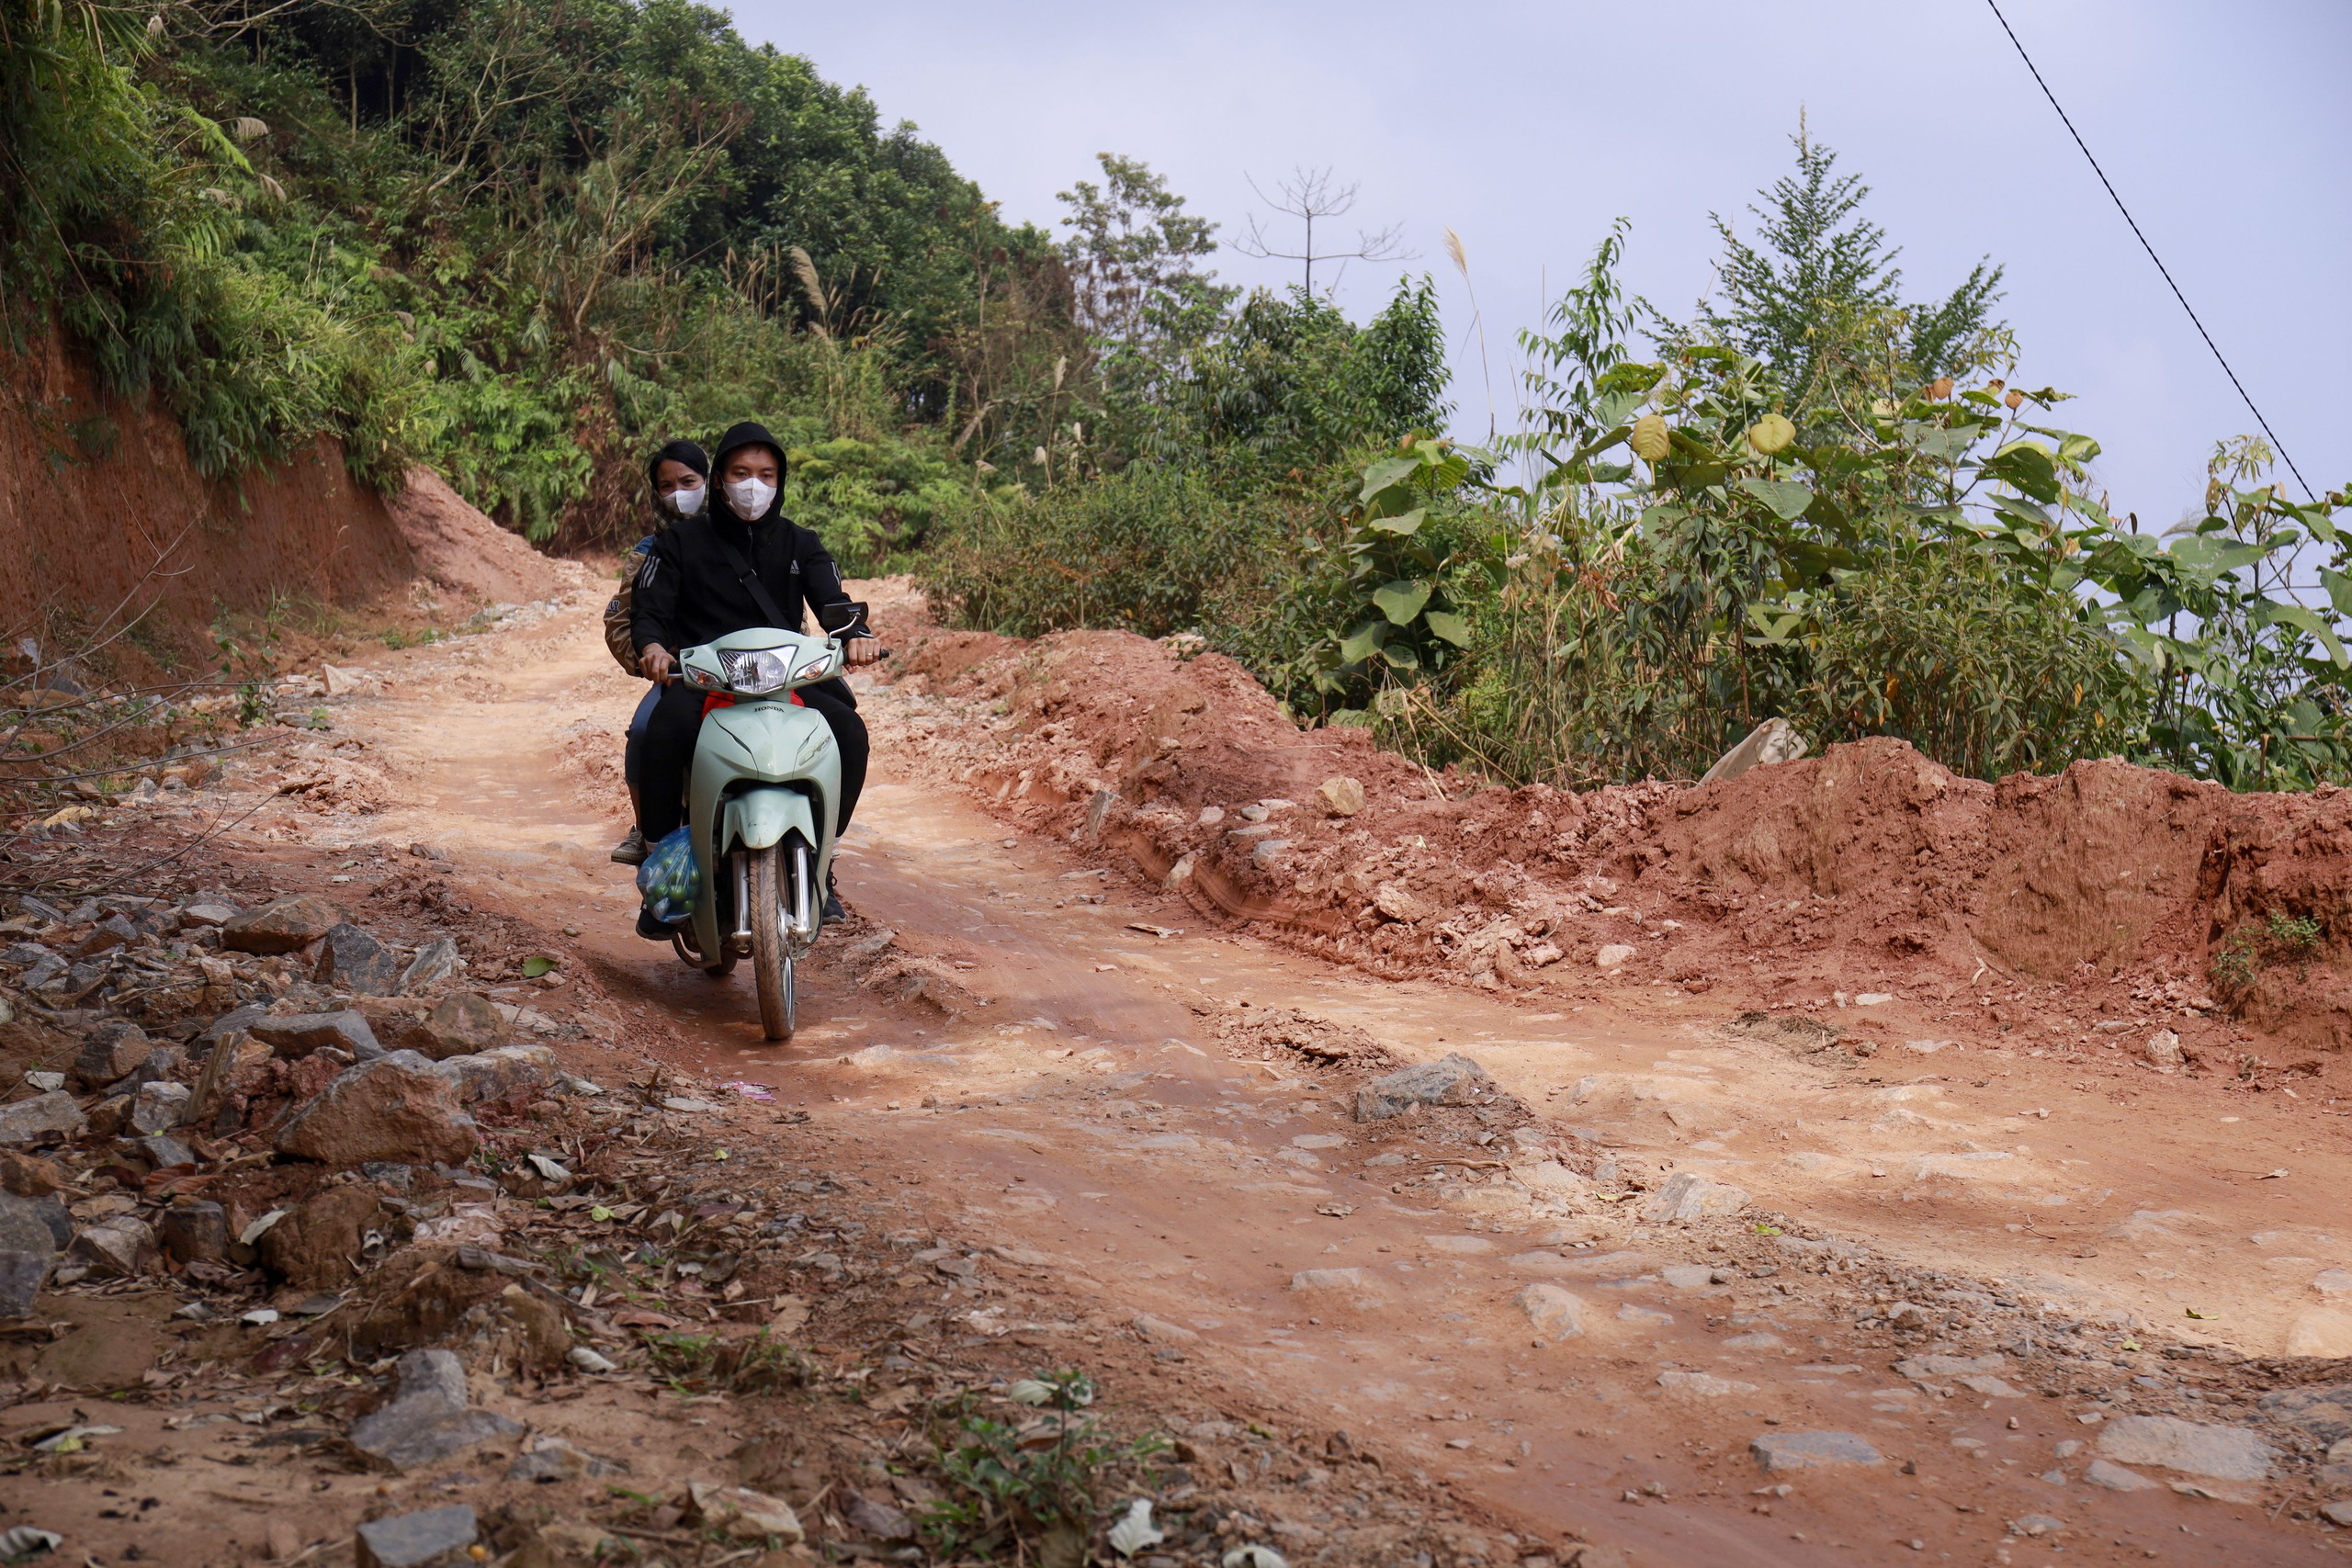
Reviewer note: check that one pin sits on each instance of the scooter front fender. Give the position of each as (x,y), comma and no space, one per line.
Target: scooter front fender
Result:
(741,753)
(755,819)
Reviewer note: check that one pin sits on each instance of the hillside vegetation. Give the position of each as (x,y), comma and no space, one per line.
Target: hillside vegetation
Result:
(523,243)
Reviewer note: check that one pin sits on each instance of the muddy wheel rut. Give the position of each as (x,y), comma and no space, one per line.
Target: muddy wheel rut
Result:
(2097,1241)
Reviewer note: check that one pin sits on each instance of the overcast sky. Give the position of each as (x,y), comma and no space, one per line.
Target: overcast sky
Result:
(1528,127)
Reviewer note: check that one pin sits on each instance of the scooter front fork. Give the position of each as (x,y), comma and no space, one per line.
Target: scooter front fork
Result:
(742,938)
(803,911)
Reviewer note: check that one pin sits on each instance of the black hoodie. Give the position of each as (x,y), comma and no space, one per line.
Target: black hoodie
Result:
(695,583)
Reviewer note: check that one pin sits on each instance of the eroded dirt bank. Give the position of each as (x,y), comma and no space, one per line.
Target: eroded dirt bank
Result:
(1699,1220)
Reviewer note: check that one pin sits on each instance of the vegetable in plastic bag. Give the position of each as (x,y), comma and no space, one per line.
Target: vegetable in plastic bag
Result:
(668,878)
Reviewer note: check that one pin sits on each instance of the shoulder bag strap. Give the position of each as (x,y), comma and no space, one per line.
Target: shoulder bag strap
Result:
(748,575)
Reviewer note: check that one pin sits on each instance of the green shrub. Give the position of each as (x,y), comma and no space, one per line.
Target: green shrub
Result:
(871,501)
(1987,675)
(1143,550)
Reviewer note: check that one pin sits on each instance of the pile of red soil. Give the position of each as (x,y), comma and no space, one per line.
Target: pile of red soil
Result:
(1869,868)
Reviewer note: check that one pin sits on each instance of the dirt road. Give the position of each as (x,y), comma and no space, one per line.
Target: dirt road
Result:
(2048,1249)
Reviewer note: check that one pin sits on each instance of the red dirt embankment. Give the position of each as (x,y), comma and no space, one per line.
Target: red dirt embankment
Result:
(100,507)
(1870,868)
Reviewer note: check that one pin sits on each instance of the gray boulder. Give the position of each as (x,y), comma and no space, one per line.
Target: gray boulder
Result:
(1777,1451)
(435,961)
(511,1072)
(119,1247)
(417,1540)
(53,1114)
(351,959)
(158,1107)
(2193,1448)
(22,1274)
(34,1225)
(294,1036)
(428,1419)
(1453,1080)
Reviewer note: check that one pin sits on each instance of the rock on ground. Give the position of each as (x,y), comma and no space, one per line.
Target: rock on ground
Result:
(34,1225)
(428,1419)
(113,1050)
(1687,1198)
(1341,796)
(417,1540)
(2320,1332)
(508,1073)
(2193,1448)
(1453,1080)
(352,960)
(296,1035)
(1706,1385)
(115,1248)
(2325,1411)
(314,1246)
(288,926)
(195,1231)
(399,1107)
(461,1024)
(44,1115)
(1777,1451)
(1555,1313)
(1352,1287)
(434,963)
(2115,1478)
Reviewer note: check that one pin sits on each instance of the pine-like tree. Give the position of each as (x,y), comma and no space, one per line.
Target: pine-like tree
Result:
(1822,275)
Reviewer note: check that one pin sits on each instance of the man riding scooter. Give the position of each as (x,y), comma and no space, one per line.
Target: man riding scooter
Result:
(739,565)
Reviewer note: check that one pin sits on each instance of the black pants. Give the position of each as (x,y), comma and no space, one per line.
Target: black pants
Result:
(661,756)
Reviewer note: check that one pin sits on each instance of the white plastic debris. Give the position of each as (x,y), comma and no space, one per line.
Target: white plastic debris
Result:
(1254,1556)
(588,1361)
(260,1227)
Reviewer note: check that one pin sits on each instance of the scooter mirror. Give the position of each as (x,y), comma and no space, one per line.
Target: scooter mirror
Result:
(839,618)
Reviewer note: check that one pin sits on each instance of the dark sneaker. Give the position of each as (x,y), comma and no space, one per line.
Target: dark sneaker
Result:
(833,910)
(651,929)
(631,849)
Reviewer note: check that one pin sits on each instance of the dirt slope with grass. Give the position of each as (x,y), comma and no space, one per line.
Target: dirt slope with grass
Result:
(103,517)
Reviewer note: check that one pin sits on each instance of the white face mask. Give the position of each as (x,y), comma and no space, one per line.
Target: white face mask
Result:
(685,502)
(750,498)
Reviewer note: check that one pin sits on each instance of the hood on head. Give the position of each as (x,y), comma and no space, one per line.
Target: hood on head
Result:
(749,434)
(686,452)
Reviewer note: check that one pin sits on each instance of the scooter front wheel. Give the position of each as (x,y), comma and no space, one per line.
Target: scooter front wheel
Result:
(771,953)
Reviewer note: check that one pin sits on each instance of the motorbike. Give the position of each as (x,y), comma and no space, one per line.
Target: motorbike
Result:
(762,799)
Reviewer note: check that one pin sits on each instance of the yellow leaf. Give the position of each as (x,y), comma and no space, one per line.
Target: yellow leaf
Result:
(1649,439)
(1771,433)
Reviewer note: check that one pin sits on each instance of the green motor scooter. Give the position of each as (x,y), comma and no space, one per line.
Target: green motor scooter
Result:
(762,799)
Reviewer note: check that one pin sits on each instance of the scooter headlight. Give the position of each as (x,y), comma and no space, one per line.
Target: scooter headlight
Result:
(755,670)
(818,667)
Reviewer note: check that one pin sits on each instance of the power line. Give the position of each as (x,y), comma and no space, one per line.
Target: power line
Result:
(2276,445)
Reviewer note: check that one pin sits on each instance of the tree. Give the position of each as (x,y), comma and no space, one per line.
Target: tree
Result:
(1133,250)
(1310,194)
(1142,298)
(1823,274)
